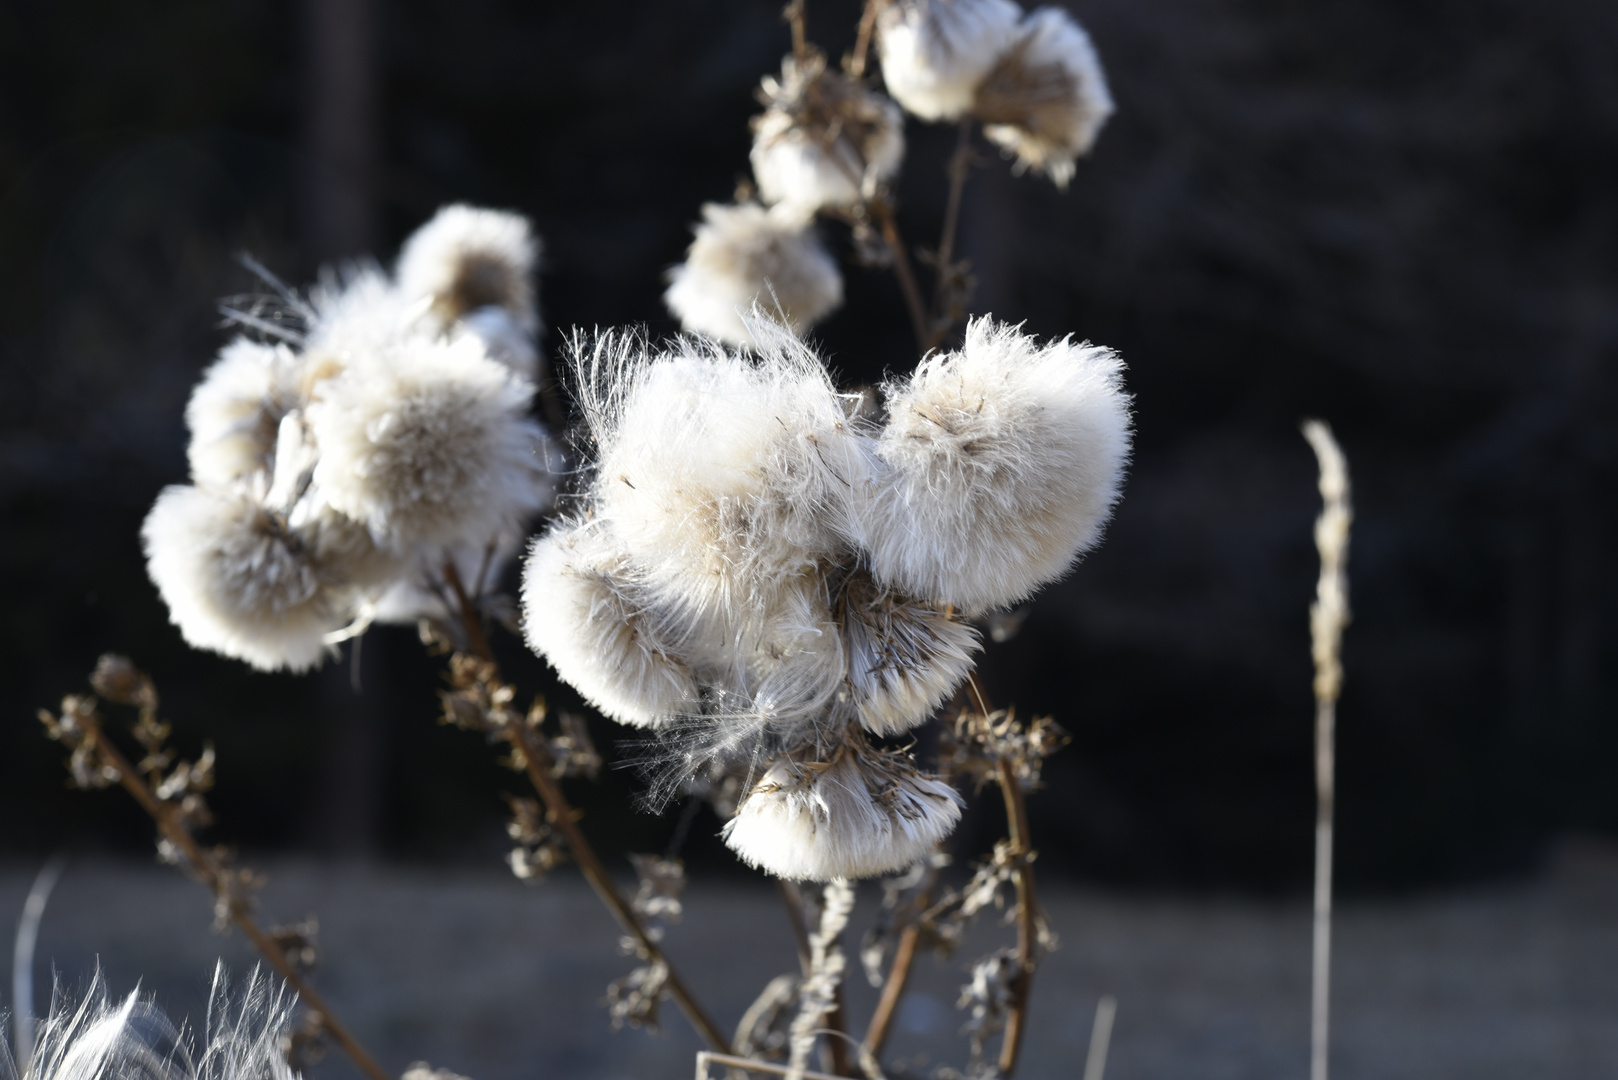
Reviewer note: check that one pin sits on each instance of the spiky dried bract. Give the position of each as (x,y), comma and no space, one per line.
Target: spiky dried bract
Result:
(823,139)
(235,412)
(861,814)
(935,53)
(746,257)
(1047,98)
(240,580)
(722,476)
(1001,465)
(94,1039)
(584,614)
(904,657)
(429,443)
(468,258)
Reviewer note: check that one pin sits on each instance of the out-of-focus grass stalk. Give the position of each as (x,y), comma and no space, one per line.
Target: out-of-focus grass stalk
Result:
(1328,615)
(1095,1064)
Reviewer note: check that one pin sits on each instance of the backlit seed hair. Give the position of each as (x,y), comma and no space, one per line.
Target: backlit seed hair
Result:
(823,140)
(935,53)
(745,257)
(1047,98)
(1000,466)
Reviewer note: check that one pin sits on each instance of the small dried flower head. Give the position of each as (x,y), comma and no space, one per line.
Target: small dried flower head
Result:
(235,411)
(935,52)
(429,442)
(746,257)
(904,657)
(583,612)
(721,476)
(1000,466)
(1047,98)
(468,258)
(94,1039)
(823,140)
(861,814)
(240,579)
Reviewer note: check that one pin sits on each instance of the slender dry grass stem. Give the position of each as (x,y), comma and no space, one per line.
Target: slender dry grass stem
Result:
(1328,615)
(537,762)
(22,957)
(212,874)
(1095,1064)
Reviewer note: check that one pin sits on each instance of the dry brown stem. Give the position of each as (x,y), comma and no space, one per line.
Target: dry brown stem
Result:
(882,212)
(953,284)
(855,64)
(534,756)
(81,722)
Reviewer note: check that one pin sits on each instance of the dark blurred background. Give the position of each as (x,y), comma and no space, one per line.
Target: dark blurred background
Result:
(1401,217)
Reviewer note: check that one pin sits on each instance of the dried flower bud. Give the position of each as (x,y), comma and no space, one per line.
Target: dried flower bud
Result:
(467,258)
(744,258)
(861,814)
(1000,465)
(823,140)
(119,681)
(1046,99)
(935,52)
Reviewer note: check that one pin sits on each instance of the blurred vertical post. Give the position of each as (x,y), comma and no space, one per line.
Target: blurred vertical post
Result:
(340,140)
(1327,617)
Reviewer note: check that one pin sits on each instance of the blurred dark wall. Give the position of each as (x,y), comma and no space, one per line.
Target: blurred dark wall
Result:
(1397,216)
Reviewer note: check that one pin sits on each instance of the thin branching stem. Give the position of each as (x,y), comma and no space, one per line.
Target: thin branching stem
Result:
(1027,904)
(960,167)
(862,41)
(901,270)
(893,988)
(212,874)
(537,763)
(792,898)
(795,15)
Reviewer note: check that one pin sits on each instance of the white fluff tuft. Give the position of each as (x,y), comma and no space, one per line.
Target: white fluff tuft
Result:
(1047,98)
(824,141)
(904,658)
(862,814)
(1001,465)
(583,613)
(240,580)
(235,411)
(722,476)
(935,53)
(94,1039)
(746,257)
(505,339)
(468,258)
(429,443)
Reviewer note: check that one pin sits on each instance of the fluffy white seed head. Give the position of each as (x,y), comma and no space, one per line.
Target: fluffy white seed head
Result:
(235,411)
(505,339)
(585,614)
(429,443)
(904,657)
(94,1039)
(861,814)
(242,580)
(468,258)
(935,53)
(823,140)
(1047,98)
(1001,463)
(722,476)
(357,312)
(744,258)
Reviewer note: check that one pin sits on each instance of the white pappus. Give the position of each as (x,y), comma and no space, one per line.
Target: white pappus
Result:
(934,53)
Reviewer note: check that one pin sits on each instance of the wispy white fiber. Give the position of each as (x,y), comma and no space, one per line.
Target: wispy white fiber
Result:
(904,657)
(468,258)
(91,1038)
(429,443)
(1001,465)
(1047,98)
(236,410)
(746,257)
(583,612)
(823,140)
(722,475)
(861,814)
(238,579)
(935,53)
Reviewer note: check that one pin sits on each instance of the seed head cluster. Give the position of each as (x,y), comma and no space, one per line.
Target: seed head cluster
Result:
(335,470)
(762,576)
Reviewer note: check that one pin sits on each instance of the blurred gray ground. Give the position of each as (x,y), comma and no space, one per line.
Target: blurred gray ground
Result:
(476,972)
